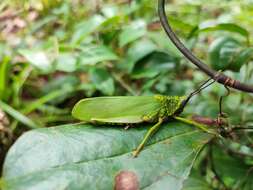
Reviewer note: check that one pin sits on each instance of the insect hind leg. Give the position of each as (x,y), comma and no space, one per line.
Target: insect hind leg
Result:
(150,132)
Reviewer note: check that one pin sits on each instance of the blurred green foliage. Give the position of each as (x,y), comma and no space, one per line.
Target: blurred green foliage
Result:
(53,53)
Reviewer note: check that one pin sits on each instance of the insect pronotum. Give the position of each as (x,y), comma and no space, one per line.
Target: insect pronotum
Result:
(125,110)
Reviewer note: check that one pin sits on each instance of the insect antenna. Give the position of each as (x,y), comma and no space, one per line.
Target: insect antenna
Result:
(198,90)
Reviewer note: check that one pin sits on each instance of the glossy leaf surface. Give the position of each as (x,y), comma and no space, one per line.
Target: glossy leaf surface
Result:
(83,156)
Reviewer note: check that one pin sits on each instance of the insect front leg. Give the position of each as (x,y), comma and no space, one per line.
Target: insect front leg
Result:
(150,132)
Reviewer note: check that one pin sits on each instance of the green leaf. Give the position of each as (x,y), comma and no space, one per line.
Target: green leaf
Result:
(61,82)
(82,156)
(66,62)
(224,27)
(196,183)
(133,32)
(161,39)
(38,58)
(243,57)
(102,80)
(65,84)
(234,172)
(136,52)
(181,25)
(92,55)
(83,29)
(226,53)
(35,104)
(154,64)
(18,83)
(3,77)
(18,116)
(110,10)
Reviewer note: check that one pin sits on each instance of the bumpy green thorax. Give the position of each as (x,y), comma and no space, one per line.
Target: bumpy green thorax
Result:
(170,104)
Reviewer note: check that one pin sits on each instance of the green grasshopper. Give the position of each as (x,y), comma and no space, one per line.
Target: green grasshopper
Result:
(125,110)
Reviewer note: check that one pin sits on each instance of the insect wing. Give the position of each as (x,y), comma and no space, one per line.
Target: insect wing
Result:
(118,109)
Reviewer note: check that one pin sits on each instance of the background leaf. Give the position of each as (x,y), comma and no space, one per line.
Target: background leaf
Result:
(102,80)
(196,183)
(18,116)
(233,171)
(91,55)
(136,52)
(226,53)
(4,67)
(231,27)
(154,64)
(66,62)
(131,33)
(37,58)
(83,29)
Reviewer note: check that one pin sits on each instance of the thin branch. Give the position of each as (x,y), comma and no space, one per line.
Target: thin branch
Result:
(219,77)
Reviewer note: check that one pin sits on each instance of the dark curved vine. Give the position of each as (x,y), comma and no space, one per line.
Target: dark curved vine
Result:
(218,76)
